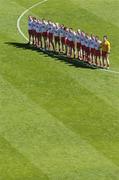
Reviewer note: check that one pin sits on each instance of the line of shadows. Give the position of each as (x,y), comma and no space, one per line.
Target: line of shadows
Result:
(72,62)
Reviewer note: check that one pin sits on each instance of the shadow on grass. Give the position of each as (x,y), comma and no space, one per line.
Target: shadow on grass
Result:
(56,56)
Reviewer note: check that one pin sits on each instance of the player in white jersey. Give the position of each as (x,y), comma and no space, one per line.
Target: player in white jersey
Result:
(57,36)
(34,30)
(78,43)
(97,51)
(92,48)
(50,30)
(38,33)
(30,21)
(44,33)
(71,38)
(62,37)
(83,45)
(66,40)
(87,48)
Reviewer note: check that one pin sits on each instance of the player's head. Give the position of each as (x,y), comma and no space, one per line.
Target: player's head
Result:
(65,28)
(92,36)
(57,25)
(105,37)
(86,34)
(70,29)
(82,33)
(78,31)
(97,38)
(30,17)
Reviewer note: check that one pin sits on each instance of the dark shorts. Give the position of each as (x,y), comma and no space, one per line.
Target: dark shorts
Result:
(44,34)
(71,44)
(97,53)
(67,42)
(92,51)
(87,50)
(50,36)
(104,54)
(30,32)
(83,47)
(57,38)
(78,45)
(63,40)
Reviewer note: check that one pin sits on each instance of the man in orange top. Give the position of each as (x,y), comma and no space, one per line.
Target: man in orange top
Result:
(105,52)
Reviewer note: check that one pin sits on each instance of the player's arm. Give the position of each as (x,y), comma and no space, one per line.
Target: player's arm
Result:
(109,47)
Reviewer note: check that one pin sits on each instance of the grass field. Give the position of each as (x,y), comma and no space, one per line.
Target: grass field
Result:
(58,121)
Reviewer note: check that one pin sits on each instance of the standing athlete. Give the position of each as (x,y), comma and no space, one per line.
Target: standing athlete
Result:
(97,51)
(105,52)
(78,43)
(92,49)
(30,22)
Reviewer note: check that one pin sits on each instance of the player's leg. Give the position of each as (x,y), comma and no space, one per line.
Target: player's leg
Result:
(59,49)
(92,55)
(55,39)
(103,59)
(107,61)
(88,54)
(83,53)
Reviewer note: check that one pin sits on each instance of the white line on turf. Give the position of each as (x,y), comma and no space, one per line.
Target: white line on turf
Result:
(20,31)
(23,13)
(110,71)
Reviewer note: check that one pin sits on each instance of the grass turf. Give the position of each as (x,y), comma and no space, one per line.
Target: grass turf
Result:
(58,121)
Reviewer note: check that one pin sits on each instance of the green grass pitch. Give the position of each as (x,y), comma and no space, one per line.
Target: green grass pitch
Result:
(58,122)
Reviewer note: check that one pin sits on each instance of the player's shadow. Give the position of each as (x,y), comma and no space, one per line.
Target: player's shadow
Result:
(56,56)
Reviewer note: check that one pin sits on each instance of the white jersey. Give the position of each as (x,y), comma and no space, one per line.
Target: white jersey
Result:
(82,40)
(62,32)
(37,27)
(78,38)
(92,43)
(97,45)
(30,24)
(66,34)
(34,25)
(71,36)
(49,27)
(87,41)
(44,27)
(56,31)
(40,27)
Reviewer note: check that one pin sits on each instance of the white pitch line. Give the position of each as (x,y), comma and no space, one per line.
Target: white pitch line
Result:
(20,17)
(110,71)
(25,37)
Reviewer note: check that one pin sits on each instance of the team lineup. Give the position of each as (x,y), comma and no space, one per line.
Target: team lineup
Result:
(74,44)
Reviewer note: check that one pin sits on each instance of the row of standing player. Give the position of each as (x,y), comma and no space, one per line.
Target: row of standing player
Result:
(52,36)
